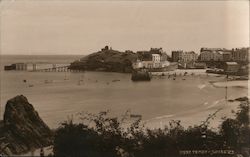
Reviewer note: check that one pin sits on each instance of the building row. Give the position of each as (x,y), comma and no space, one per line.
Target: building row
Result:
(212,54)
(218,54)
(184,57)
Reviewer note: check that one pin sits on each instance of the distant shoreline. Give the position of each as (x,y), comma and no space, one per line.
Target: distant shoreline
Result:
(43,54)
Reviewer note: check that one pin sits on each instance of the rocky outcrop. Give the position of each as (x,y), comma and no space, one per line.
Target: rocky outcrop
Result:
(22,129)
(106,60)
(141,76)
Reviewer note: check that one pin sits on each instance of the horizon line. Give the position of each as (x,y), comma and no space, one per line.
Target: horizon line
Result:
(56,54)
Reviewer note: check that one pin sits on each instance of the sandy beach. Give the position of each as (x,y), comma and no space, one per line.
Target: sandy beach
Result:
(240,84)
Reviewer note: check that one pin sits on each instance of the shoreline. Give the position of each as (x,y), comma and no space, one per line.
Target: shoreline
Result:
(224,110)
(185,122)
(231,83)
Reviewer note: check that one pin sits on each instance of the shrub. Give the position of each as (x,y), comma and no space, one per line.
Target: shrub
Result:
(109,137)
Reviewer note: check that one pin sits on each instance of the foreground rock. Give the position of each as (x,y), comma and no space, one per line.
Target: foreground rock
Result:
(22,129)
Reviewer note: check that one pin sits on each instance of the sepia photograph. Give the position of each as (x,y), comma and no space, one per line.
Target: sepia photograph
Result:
(124,78)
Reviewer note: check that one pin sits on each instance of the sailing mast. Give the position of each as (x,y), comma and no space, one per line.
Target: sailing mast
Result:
(81,79)
(65,76)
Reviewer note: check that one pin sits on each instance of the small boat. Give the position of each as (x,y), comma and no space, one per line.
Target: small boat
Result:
(115,80)
(80,82)
(135,116)
(48,81)
(65,78)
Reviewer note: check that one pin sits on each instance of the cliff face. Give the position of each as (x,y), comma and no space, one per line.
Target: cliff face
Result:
(22,129)
(106,60)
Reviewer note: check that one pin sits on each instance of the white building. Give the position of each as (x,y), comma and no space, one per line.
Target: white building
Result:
(154,63)
(156,58)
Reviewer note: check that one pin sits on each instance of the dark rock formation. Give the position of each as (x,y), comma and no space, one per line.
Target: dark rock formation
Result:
(22,129)
(106,60)
(241,99)
(141,76)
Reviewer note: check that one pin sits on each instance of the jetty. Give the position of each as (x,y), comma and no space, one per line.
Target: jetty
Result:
(54,69)
(40,67)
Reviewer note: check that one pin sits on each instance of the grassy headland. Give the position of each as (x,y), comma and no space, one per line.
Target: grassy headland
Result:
(106,60)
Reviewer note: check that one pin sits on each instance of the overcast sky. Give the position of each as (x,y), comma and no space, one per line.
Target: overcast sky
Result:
(82,27)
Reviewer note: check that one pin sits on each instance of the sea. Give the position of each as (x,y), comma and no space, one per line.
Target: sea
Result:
(60,96)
